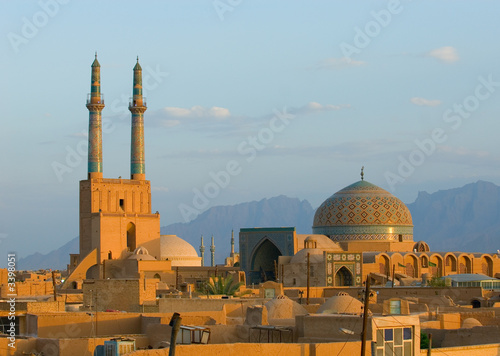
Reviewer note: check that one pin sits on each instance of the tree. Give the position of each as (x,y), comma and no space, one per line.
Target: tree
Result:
(221,285)
(436,282)
(424,341)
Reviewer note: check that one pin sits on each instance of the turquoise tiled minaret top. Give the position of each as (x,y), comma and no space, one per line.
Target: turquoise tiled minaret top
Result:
(137,107)
(95,104)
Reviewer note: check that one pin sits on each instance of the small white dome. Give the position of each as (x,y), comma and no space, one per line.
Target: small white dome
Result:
(341,304)
(141,254)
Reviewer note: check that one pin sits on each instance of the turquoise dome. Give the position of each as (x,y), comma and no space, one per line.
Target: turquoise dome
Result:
(363,211)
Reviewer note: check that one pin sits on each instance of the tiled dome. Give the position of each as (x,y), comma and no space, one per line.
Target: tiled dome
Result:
(363,211)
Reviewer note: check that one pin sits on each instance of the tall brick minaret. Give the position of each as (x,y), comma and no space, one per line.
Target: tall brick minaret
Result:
(137,107)
(95,104)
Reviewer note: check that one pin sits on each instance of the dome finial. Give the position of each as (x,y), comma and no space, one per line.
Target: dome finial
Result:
(95,54)
(362,173)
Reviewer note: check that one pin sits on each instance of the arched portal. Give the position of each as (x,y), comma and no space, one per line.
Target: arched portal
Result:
(436,266)
(131,239)
(263,262)
(451,263)
(487,265)
(384,266)
(343,277)
(464,264)
(411,266)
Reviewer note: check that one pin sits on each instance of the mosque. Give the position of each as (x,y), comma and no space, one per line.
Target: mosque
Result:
(360,230)
(118,230)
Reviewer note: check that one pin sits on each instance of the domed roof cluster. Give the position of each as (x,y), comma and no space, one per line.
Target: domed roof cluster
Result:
(363,211)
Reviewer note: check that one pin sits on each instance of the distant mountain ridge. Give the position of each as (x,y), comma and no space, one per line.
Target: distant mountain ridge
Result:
(458,219)
(217,221)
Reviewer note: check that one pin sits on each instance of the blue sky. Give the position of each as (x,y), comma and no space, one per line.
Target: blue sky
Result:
(283,97)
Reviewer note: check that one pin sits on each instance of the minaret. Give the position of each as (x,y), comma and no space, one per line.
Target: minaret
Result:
(202,252)
(95,104)
(137,107)
(232,243)
(212,252)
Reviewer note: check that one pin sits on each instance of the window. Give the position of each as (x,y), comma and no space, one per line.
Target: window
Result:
(394,307)
(394,341)
(122,204)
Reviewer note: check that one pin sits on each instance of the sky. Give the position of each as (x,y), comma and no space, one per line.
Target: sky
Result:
(246,100)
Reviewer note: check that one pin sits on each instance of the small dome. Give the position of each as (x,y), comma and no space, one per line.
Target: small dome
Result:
(470,323)
(363,211)
(141,254)
(282,307)
(141,250)
(341,304)
(421,246)
(310,239)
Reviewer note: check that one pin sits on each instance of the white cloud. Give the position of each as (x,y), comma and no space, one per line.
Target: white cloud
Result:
(314,107)
(343,62)
(221,122)
(446,54)
(425,102)
(197,111)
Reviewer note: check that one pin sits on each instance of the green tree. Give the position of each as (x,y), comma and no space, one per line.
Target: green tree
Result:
(221,285)
(424,341)
(436,282)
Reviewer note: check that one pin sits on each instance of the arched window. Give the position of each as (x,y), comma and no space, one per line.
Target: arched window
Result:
(131,239)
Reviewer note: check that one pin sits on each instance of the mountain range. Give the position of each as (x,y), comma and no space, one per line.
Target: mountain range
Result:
(459,219)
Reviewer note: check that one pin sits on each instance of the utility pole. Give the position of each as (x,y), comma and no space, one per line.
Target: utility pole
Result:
(393,275)
(365,315)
